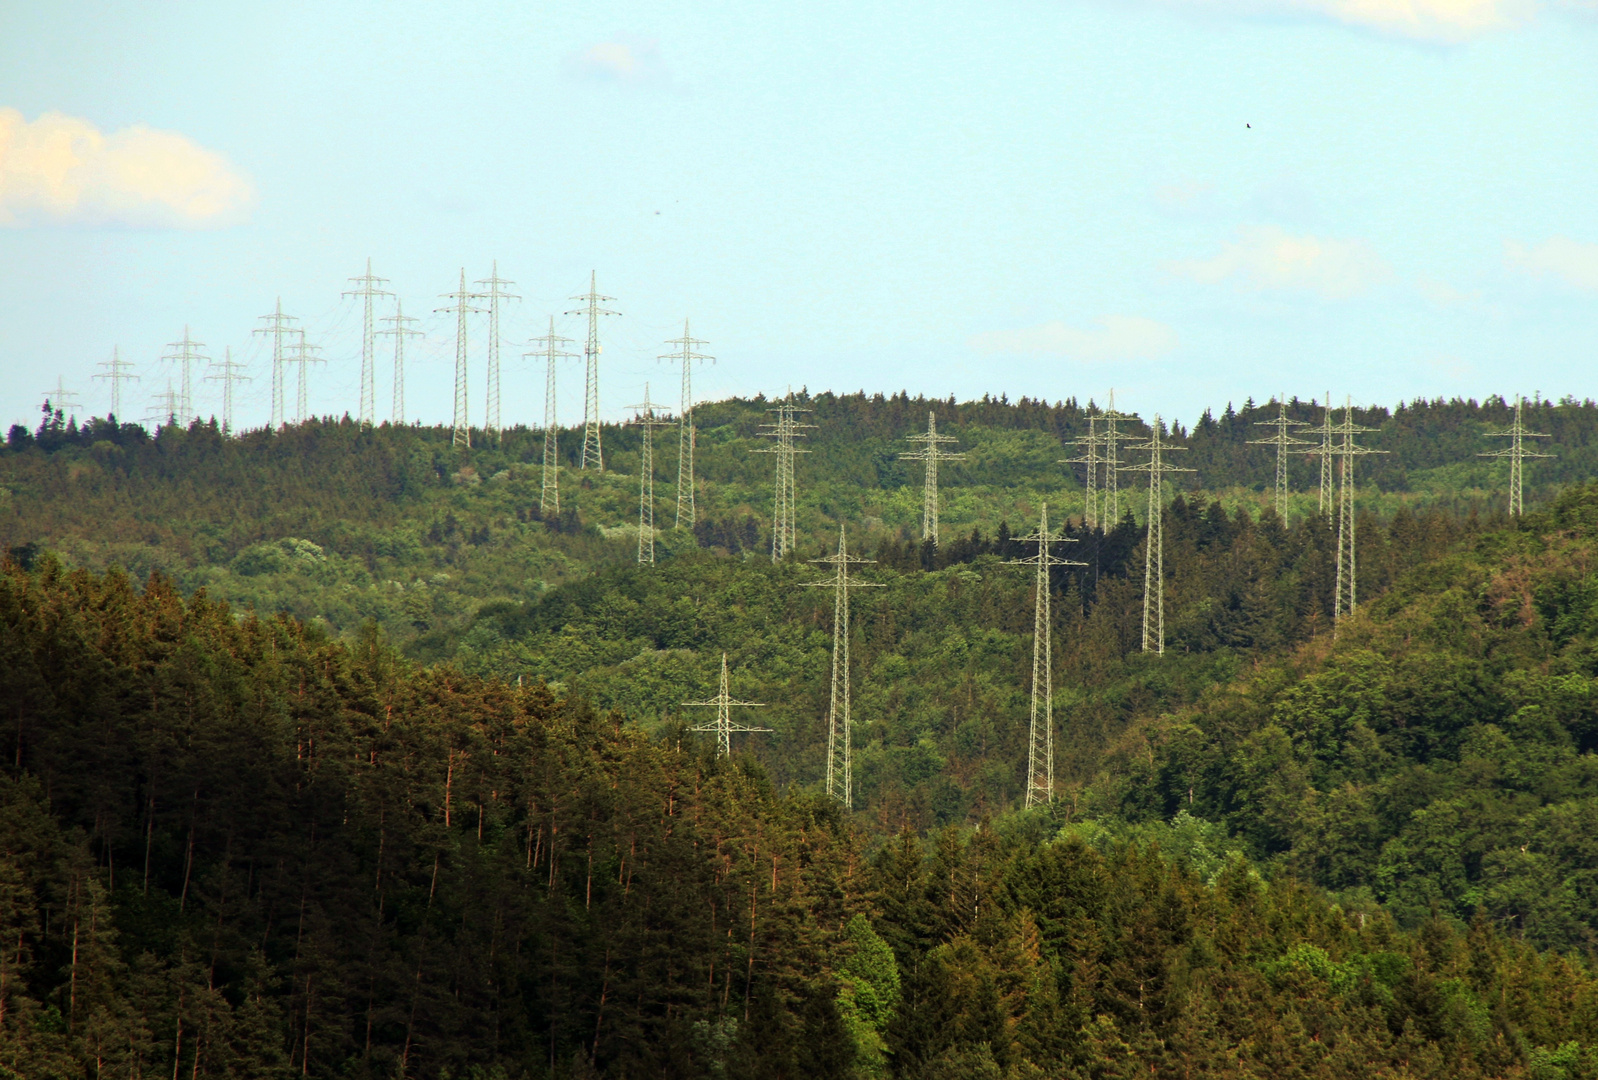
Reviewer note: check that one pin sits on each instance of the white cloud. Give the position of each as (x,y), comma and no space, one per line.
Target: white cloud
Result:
(1443,294)
(1572,260)
(623,59)
(1116,337)
(1428,20)
(1266,257)
(62,169)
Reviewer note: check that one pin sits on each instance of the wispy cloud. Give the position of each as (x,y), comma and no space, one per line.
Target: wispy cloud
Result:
(1115,337)
(625,59)
(1573,261)
(1266,257)
(1426,20)
(63,170)
(1443,294)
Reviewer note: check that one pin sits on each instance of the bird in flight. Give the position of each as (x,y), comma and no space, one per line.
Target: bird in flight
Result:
(1248,125)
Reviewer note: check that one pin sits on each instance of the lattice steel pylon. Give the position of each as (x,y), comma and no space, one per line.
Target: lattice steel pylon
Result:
(1111,437)
(186,354)
(116,373)
(226,372)
(276,324)
(366,287)
(1284,444)
(493,282)
(1347,450)
(304,354)
(1154,543)
(1326,450)
(61,398)
(1040,737)
(593,452)
(687,513)
(549,490)
(783,431)
(840,768)
(931,453)
(165,410)
(400,332)
(461,425)
(1516,453)
(1092,459)
(644,417)
(722,725)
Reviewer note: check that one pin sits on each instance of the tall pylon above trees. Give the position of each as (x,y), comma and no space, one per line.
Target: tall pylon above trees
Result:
(1092,459)
(1347,450)
(1284,441)
(227,372)
(840,757)
(185,354)
(1326,450)
(723,725)
(366,287)
(1515,453)
(277,324)
(549,488)
(684,352)
(783,432)
(1111,437)
(1154,542)
(644,416)
(931,452)
(116,372)
(461,423)
(400,331)
(593,451)
(492,289)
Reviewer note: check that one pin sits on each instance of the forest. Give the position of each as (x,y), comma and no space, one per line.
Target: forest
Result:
(330,754)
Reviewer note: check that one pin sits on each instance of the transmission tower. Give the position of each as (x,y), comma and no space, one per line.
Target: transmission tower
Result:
(117,372)
(400,332)
(61,398)
(1283,442)
(840,776)
(227,373)
(1040,738)
(549,493)
(592,451)
(1092,459)
(1154,544)
(686,513)
(931,452)
(1111,437)
(1326,450)
(783,431)
(366,287)
(165,410)
(1347,450)
(723,725)
(1516,453)
(276,324)
(644,417)
(185,354)
(462,423)
(304,354)
(494,295)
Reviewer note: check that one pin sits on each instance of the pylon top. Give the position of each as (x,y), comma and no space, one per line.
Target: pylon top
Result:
(1045,540)
(843,560)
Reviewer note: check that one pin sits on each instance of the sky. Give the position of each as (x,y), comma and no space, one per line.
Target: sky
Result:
(1192,202)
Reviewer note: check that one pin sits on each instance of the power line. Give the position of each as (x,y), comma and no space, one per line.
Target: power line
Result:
(644,417)
(461,427)
(549,491)
(592,450)
(494,295)
(1283,443)
(1040,737)
(366,290)
(1516,453)
(400,332)
(117,372)
(186,353)
(723,725)
(784,430)
(931,452)
(1154,543)
(686,511)
(1347,450)
(276,324)
(227,373)
(840,774)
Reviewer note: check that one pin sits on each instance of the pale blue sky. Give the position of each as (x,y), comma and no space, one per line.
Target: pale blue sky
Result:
(1042,198)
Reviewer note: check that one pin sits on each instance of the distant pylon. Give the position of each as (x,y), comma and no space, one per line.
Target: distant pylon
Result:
(593,453)
(1093,460)
(723,725)
(1516,453)
(1347,579)
(400,332)
(304,354)
(1040,736)
(1154,543)
(366,289)
(931,452)
(61,398)
(117,372)
(226,372)
(644,417)
(494,295)
(1326,450)
(1111,437)
(185,354)
(276,324)
(165,410)
(461,425)
(840,768)
(549,492)
(1283,443)
(783,431)
(686,511)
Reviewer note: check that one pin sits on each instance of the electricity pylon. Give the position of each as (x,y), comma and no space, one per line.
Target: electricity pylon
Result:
(304,354)
(117,372)
(840,774)
(276,324)
(644,417)
(686,512)
(1040,738)
(61,398)
(165,410)
(366,289)
(1516,453)
(784,430)
(1326,450)
(722,725)
(931,452)
(1283,443)
(1111,437)
(1154,543)
(226,372)
(592,451)
(494,295)
(549,493)
(1347,450)
(1092,459)
(400,332)
(461,426)
(186,353)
